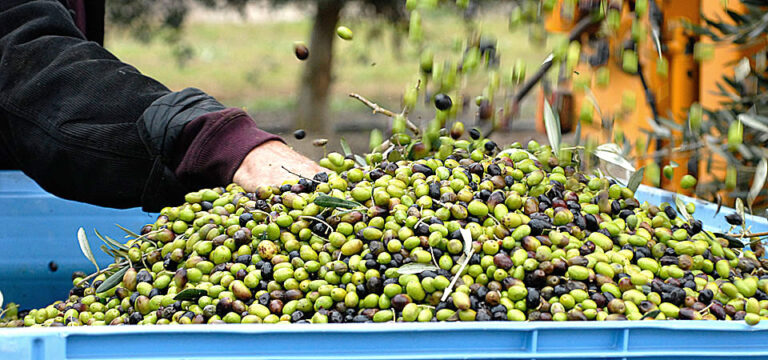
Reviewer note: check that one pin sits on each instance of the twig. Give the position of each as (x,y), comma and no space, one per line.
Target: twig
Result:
(304,217)
(580,27)
(378,109)
(449,289)
(300,176)
(750,235)
(102,271)
(434,261)
(9,307)
(384,146)
(666,152)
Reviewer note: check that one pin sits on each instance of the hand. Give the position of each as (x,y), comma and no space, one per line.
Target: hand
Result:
(262,166)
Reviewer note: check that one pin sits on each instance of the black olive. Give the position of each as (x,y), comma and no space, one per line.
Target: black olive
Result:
(443,102)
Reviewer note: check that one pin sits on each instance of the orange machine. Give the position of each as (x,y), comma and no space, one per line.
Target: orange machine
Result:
(679,82)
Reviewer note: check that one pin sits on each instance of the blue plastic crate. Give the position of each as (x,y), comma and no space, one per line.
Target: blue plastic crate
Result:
(678,340)
(38,228)
(705,211)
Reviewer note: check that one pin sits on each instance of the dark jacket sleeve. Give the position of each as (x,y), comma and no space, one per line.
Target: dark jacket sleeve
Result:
(88,127)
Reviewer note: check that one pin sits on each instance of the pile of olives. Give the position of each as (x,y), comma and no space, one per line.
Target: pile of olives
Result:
(472,233)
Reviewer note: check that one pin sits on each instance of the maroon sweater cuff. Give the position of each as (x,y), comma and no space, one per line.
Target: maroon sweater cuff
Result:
(211,147)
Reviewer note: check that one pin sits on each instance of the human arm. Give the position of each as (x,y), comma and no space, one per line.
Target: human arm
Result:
(90,128)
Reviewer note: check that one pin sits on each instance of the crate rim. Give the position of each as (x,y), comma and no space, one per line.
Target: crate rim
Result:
(680,325)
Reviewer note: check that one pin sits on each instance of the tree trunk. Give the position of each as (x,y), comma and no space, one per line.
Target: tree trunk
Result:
(312,106)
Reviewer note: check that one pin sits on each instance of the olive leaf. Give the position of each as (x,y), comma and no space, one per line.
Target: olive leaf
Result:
(115,253)
(577,133)
(113,280)
(591,97)
(334,202)
(671,124)
(681,208)
(651,314)
(360,160)
(612,153)
(85,247)
(109,241)
(750,121)
(415,268)
(742,69)
(757,182)
(552,125)
(740,210)
(466,258)
(657,129)
(190,294)
(719,204)
(636,179)
(129,232)
(345,146)
(656,41)
(466,235)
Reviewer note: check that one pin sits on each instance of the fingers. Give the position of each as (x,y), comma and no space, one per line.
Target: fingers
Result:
(272,163)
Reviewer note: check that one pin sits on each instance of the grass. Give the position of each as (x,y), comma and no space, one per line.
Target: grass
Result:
(252,65)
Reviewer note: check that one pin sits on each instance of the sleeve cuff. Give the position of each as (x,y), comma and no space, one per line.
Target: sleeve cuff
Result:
(214,145)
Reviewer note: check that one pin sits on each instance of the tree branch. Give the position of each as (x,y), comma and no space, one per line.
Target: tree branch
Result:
(582,26)
(378,109)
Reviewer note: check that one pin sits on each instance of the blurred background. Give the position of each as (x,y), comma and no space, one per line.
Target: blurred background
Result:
(241,52)
(675,87)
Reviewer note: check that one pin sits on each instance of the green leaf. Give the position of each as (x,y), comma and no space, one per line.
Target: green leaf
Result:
(334,202)
(345,146)
(115,253)
(740,210)
(415,268)
(85,247)
(466,235)
(742,69)
(591,97)
(719,204)
(109,241)
(750,121)
(757,182)
(681,208)
(129,232)
(360,160)
(658,130)
(112,281)
(577,133)
(612,154)
(651,314)
(190,294)
(636,179)
(671,124)
(552,125)
(656,41)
